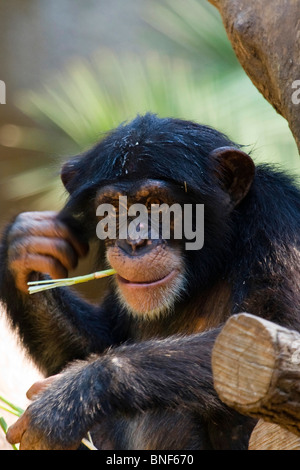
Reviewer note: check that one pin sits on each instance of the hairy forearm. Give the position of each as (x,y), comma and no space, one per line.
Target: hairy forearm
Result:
(156,373)
(128,380)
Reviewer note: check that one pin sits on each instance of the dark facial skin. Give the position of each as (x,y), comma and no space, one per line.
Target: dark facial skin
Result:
(149,271)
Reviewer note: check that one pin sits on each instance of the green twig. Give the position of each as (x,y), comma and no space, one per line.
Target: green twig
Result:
(9,411)
(3,425)
(16,409)
(39,286)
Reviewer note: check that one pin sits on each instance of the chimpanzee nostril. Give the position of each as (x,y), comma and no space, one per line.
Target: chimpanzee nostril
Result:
(135,240)
(139,246)
(136,243)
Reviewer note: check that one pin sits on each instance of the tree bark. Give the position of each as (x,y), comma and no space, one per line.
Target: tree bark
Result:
(256,370)
(265,35)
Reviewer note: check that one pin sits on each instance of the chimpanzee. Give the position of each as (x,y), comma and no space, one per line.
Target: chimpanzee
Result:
(136,369)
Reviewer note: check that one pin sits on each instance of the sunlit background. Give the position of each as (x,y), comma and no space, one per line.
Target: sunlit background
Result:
(73,70)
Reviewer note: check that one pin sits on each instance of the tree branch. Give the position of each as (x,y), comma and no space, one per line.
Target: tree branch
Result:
(265,36)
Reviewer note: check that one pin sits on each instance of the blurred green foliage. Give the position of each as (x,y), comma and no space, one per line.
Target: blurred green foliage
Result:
(190,72)
(192,28)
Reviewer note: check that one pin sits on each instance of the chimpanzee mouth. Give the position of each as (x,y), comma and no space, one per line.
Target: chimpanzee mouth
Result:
(153,283)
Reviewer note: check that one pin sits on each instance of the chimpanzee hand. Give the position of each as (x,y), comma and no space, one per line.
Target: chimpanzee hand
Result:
(29,431)
(22,431)
(39,241)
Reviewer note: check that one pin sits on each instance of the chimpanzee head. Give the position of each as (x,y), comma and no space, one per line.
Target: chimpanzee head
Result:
(189,173)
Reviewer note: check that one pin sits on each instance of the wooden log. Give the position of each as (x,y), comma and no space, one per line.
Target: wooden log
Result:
(256,369)
(270,436)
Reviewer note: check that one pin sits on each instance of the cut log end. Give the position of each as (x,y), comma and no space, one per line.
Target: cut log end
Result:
(270,436)
(256,370)
(242,366)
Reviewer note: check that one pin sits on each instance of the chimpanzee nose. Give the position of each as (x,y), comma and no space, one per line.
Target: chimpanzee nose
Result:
(133,246)
(136,243)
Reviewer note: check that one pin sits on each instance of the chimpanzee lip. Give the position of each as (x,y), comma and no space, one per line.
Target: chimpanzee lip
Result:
(157,282)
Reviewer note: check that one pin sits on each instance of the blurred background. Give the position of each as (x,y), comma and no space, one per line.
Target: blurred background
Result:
(73,70)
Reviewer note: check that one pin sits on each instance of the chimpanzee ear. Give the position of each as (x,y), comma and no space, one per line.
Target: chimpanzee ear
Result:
(236,170)
(68,172)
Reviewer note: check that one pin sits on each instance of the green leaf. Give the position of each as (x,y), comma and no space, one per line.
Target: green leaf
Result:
(15,409)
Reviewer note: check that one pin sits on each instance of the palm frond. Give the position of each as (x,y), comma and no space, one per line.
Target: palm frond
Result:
(90,98)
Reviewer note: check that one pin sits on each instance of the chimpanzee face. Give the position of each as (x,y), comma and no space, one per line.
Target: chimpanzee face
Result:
(138,221)
(140,175)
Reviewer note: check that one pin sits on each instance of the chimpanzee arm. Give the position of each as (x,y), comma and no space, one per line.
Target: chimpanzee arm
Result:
(129,379)
(55,326)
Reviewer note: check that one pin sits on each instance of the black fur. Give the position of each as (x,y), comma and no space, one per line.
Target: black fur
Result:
(135,387)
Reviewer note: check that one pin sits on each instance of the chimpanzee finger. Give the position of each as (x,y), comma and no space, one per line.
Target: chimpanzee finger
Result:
(56,247)
(22,267)
(15,432)
(40,386)
(35,224)
(28,221)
